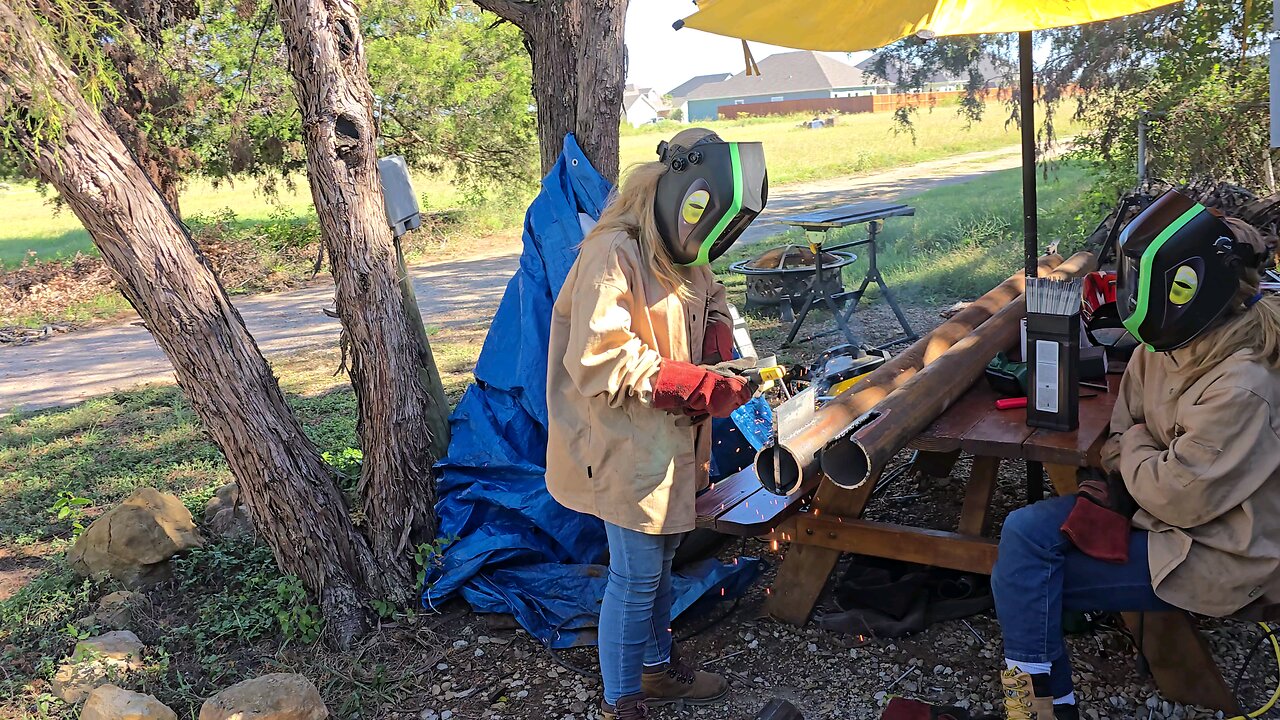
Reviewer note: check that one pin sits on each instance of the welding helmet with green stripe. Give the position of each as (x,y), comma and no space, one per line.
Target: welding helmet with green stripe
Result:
(710,193)
(1179,269)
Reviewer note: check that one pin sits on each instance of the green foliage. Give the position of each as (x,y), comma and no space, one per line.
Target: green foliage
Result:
(240,596)
(453,95)
(34,623)
(1198,67)
(30,107)
(431,554)
(1199,73)
(70,507)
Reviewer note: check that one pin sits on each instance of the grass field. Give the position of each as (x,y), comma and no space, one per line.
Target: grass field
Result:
(34,224)
(857,144)
(964,238)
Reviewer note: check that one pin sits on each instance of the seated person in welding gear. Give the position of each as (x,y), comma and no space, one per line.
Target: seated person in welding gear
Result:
(640,358)
(1187,511)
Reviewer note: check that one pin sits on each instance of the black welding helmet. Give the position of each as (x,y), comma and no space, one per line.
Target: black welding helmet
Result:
(1179,267)
(710,193)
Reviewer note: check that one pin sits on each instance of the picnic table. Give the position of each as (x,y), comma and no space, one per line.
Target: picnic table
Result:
(816,224)
(832,523)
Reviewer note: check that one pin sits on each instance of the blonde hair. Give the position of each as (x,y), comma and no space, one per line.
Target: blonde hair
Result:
(630,210)
(1254,327)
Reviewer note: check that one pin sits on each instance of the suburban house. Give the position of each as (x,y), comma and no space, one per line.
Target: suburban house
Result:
(679,95)
(642,105)
(800,75)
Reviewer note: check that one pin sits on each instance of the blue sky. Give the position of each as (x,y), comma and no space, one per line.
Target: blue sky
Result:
(662,58)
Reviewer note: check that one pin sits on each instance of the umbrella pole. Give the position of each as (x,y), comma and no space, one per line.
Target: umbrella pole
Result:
(1027,100)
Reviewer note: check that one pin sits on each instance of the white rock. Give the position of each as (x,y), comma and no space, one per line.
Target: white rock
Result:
(279,696)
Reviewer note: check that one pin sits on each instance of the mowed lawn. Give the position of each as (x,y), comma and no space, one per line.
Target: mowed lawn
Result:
(857,144)
(33,223)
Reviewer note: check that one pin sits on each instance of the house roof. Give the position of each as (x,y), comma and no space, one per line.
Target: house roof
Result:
(991,72)
(683,89)
(797,71)
(631,97)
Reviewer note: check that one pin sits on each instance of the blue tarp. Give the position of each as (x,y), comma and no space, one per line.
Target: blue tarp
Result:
(513,549)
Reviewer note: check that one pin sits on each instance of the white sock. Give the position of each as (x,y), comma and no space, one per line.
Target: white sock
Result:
(1030,668)
(1068,699)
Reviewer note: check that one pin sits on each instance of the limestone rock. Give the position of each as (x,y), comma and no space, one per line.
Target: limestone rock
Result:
(96,661)
(226,515)
(279,696)
(109,702)
(133,541)
(115,610)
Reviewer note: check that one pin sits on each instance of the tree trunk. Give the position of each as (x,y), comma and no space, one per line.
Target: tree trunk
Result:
(387,360)
(286,485)
(579,66)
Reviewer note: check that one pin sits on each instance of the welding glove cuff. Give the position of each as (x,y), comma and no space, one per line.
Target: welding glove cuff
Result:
(1106,490)
(681,387)
(1100,522)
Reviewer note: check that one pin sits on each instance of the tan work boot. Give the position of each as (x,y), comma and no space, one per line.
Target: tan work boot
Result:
(629,707)
(1026,697)
(677,681)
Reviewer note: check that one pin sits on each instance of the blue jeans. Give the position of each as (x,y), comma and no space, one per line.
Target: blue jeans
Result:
(635,617)
(1039,574)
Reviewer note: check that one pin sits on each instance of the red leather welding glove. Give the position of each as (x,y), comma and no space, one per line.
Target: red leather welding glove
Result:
(692,390)
(1099,524)
(717,343)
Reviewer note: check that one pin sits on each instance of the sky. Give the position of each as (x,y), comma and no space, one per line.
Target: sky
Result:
(662,58)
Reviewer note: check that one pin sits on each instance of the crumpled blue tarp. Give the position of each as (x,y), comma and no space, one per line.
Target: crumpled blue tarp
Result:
(513,549)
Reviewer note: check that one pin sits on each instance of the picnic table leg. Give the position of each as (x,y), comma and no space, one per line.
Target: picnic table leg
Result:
(976,511)
(1035,482)
(1063,479)
(1181,662)
(806,568)
(934,464)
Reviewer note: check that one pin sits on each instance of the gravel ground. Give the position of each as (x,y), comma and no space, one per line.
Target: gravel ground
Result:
(492,673)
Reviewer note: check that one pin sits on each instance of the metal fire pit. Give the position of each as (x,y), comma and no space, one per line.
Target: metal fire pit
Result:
(787,271)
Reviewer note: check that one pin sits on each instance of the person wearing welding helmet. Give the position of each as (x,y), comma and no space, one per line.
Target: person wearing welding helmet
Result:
(1186,511)
(640,357)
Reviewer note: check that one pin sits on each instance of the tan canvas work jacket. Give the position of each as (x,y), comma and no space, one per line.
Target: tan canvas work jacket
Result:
(609,453)
(1204,466)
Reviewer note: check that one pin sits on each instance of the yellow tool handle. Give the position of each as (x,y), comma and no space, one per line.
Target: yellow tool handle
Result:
(770,374)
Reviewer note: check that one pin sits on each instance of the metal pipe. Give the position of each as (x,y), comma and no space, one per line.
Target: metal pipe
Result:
(862,451)
(797,465)
(1027,115)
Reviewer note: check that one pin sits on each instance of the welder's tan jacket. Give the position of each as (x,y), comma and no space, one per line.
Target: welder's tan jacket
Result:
(609,453)
(1204,466)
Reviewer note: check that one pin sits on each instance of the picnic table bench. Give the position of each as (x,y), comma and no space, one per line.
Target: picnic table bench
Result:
(820,528)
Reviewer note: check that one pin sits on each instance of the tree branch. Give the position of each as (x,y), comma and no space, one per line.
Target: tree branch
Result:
(515,12)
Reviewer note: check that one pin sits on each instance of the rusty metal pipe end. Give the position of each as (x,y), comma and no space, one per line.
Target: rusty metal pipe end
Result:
(847,463)
(788,475)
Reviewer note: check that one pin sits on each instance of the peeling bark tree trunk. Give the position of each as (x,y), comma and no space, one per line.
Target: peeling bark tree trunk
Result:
(390,365)
(286,485)
(579,65)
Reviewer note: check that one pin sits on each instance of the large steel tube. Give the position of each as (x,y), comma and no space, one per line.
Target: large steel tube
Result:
(861,451)
(797,464)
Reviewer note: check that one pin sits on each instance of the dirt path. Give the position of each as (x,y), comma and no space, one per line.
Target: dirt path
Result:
(70,368)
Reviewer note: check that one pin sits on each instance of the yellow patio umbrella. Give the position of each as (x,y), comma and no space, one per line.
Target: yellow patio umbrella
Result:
(850,25)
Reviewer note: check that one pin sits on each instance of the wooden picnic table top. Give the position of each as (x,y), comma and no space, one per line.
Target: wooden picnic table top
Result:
(974,425)
(845,215)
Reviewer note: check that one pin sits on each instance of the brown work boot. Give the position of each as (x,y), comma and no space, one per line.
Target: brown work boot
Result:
(629,707)
(678,681)
(1026,697)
